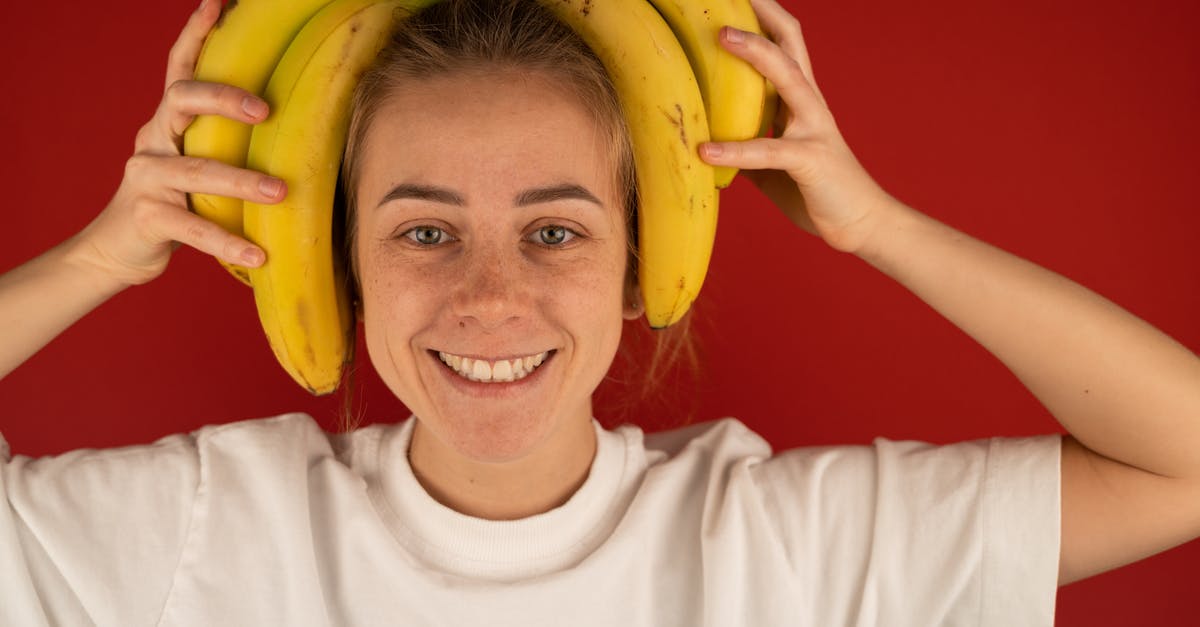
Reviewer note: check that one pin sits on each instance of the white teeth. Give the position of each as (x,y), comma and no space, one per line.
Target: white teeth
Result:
(501,371)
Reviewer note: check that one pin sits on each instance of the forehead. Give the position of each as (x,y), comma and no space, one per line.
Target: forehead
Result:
(471,120)
(489,123)
(489,135)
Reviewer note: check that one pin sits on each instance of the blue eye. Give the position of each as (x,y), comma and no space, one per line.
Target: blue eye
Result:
(554,235)
(426,235)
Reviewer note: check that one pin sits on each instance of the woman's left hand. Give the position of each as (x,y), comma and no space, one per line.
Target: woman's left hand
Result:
(806,168)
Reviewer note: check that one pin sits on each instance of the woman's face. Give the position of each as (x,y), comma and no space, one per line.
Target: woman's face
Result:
(490,236)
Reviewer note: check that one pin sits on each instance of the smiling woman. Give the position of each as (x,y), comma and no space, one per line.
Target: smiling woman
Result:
(490,216)
(478,271)
(468,52)
(489,235)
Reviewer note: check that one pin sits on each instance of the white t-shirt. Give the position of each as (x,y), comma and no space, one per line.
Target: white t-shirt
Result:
(276,522)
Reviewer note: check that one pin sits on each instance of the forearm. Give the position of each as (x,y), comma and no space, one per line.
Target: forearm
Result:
(40,299)
(1120,386)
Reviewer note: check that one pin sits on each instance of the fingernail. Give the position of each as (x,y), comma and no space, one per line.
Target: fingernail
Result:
(203,3)
(734,36)
(253,256)
(254,107)
(270,186)
(714,150)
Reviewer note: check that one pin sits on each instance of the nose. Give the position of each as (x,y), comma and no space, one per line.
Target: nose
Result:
(491,290)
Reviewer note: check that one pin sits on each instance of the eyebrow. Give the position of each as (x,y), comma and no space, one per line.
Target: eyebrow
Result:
(537,195)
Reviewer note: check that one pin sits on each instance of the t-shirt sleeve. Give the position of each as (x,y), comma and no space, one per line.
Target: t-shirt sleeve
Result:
(93,536)
(910,533)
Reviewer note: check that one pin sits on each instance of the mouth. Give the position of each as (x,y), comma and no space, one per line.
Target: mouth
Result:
(493,371)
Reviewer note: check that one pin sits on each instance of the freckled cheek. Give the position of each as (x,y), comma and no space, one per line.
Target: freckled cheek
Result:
(399,299)
(595,291)
(396,278)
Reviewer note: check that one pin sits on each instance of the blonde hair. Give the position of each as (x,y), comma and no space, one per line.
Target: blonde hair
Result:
(460,37)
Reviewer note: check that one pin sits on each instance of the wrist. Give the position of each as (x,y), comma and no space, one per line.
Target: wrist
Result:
(80,258)
(893,223)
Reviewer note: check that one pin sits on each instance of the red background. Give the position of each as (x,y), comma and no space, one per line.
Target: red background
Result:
(1062,131)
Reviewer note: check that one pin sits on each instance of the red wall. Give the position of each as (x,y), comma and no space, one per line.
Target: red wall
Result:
(1063,131)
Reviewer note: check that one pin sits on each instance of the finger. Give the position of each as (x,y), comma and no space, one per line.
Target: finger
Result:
(783,71)
(764,153)
(783,27)
(185,100)
(205,176)
(181,62)
(169,223)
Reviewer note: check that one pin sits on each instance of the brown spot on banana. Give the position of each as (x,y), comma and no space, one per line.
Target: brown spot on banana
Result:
(682,130)
(678,122)
(305,323)
(343,58)
(584,8)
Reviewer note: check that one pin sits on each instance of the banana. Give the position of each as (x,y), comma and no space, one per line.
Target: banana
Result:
(241,50)
(770,109)
(677,215)
(300,292)
(733,90)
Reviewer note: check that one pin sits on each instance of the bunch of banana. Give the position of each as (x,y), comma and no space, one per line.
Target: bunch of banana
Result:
(300,291)
(241,50)
(677,88)
(732,89)
(309,55)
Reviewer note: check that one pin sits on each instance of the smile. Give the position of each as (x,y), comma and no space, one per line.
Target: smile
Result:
(500,371)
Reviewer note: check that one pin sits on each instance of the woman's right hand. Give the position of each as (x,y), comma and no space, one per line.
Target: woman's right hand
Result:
(132,239)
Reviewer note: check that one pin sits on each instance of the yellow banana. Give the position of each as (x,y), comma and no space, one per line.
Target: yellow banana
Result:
(733,90)
(677,214)
(241,50)
(769,110)
(301,293)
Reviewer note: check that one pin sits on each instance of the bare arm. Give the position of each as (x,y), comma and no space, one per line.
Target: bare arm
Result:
(44,296)
(131,240)
(1128,394)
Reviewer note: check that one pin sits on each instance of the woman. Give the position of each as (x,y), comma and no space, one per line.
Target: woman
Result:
(504,502)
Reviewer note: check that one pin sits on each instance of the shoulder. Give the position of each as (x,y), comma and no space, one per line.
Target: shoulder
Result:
(729,439)
(283,440)
(714,446)
(179,455)
(900,480)
(915,471)
(288,426)
(292,424)
(293,435)
(726,437)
